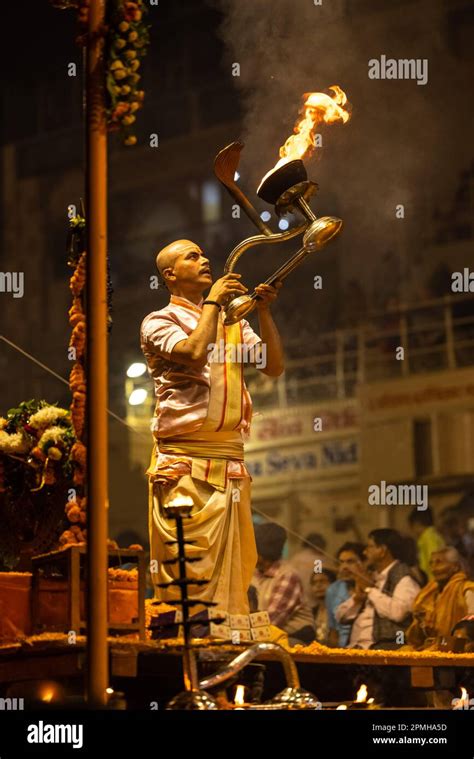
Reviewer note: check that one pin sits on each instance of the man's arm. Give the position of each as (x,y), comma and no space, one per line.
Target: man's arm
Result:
(399,604)
(348,610)
(194,351)
(274,363)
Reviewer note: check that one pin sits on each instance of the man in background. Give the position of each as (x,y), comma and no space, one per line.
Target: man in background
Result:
(380,605)
(350,559)
(279,588)
(428,539)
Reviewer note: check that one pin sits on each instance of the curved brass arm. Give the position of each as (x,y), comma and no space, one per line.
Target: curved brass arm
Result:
(259,240)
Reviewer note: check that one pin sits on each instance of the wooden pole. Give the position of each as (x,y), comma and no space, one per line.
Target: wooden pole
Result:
(97,369)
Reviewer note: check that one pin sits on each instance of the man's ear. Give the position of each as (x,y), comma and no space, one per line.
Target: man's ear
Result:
(168,275)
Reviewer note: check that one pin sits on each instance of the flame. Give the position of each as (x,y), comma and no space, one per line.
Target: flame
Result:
(361,697)
(341,707)
(181,500)
(47,694)
(464,696)
(318,108)
(239,695)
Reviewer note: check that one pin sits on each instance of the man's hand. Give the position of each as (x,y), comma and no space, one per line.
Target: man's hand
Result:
(362,579)
(226,288)
(358,595)
(267,294)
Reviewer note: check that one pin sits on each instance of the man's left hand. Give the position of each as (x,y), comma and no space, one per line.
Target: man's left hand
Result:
(267,294)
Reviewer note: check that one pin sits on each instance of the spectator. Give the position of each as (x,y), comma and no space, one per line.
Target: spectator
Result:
(350,557)
(455,529)
(380,608)
(428,538)
(279,589)
(303,561)
(319,584)
(443,602)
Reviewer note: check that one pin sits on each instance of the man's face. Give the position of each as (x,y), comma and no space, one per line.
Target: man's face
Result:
(191,268)
(319,584)
(441,567)
(349,562)
(374,553)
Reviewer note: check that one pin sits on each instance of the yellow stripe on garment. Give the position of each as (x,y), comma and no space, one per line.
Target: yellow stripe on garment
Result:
(226,383)
(234,375)
(210,453)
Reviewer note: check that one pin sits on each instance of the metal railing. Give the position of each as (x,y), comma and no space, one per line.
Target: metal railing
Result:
(399,342)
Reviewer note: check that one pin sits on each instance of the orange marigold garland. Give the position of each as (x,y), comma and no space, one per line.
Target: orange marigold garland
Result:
(126,37)
(75,509)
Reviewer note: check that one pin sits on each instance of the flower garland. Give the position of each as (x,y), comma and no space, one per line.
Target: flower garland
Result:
(126,42)
(75,508)
(41,437)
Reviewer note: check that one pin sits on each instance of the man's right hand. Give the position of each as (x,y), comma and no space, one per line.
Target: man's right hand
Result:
(225,288)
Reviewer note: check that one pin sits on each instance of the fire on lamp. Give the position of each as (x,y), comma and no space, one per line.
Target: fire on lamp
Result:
(181,504)
(288,189)
(362,702)
(239,699)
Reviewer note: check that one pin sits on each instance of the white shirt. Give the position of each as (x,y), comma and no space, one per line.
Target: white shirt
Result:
(394,607)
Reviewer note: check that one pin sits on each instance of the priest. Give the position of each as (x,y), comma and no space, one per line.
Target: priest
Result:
(203,411)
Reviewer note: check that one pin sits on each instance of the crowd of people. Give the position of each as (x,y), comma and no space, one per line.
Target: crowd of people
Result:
(413,591)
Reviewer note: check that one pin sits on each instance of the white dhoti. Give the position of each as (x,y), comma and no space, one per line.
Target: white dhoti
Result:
(221,526)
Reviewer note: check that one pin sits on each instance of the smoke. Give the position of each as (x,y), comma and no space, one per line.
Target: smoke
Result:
(405,143)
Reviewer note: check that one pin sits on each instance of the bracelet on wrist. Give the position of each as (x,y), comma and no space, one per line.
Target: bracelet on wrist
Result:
(212,303)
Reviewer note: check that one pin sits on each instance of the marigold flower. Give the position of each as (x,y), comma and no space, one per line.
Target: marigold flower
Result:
(54,453)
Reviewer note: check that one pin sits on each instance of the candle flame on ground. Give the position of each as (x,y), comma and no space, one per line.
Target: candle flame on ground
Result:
(318,107)
(361,697)
(239,695)
(464,696)
(47,695)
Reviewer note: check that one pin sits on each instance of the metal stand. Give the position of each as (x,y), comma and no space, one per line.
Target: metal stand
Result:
(192,698)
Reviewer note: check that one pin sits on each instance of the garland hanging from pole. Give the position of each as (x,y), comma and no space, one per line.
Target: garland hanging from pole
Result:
(126,38)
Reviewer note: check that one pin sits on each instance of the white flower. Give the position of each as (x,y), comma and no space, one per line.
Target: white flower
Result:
(52,435)
(16,443)
(46,416)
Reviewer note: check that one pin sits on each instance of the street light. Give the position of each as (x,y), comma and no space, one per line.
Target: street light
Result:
(138,396)
(136,369)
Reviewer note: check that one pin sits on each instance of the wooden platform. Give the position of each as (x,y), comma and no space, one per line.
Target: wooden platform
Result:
(151,670)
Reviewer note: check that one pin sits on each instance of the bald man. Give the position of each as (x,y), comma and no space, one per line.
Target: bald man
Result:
(202,411)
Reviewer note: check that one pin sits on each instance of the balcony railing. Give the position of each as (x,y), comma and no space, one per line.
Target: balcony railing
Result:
(435,335)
